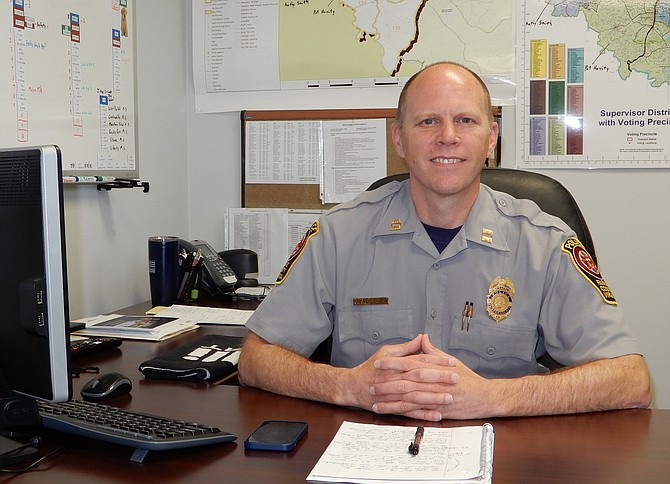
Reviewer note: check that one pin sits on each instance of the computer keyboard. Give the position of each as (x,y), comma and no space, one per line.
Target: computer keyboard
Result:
(142,431)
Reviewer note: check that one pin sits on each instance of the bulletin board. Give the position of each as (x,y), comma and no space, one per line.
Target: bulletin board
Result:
(67,77)
(305,196)
(308,196)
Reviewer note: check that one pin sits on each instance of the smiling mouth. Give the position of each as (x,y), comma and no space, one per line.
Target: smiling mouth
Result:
(446,161)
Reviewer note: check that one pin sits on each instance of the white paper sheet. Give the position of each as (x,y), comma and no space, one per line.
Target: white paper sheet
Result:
(365,453)
(207,315)
(354,156)
(270,232)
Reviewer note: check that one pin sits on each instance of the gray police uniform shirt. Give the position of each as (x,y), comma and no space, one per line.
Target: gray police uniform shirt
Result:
(368,273)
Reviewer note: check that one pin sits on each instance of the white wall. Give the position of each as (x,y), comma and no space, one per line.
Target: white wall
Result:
(626,212)
(107,231)
(193,164)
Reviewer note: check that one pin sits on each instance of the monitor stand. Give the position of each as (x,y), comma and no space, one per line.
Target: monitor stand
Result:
(16,410)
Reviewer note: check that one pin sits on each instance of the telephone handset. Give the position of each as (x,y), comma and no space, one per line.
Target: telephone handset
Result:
(217,275)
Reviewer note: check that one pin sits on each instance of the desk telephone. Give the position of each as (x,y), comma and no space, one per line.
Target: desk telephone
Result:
(223,271)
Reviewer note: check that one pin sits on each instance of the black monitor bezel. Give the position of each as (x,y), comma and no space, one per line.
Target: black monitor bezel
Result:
(34,311)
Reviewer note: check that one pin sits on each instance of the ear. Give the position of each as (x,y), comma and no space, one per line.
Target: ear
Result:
(493,139)
(397,139)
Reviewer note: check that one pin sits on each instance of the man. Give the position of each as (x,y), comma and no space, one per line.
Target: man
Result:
(440,293)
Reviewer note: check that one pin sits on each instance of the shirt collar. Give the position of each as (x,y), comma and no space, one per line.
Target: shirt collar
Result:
(482,226)
(399,216)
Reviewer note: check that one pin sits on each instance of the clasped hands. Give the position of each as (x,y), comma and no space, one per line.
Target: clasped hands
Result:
(418,380)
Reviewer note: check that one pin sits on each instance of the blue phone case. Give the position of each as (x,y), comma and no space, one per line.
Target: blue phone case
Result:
(277,435)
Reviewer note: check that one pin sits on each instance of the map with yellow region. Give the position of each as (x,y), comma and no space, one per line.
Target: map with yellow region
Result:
(636,32)
(353,39)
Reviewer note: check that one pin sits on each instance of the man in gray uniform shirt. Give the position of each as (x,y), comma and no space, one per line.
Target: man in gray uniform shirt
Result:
(440,293)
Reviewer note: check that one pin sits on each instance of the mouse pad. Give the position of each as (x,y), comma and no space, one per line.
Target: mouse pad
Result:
(210,358)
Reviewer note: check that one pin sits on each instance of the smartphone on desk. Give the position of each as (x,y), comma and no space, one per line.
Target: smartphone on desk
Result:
(277,435)
(217,275)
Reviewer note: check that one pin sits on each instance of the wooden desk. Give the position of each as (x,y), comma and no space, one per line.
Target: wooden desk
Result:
(610,447)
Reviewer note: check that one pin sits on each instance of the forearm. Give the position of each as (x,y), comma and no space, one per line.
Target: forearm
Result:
(430,387)
(279,370)
(599,385)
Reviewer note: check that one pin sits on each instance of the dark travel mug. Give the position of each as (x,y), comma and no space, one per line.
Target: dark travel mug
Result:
(163,269)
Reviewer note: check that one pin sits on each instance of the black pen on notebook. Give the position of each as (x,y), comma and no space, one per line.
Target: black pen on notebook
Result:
(414,446)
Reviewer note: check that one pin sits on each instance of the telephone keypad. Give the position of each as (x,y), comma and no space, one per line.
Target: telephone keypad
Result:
(225,270)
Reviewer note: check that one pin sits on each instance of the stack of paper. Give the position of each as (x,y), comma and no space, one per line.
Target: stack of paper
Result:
(152,328)
(206,315)
(364,453)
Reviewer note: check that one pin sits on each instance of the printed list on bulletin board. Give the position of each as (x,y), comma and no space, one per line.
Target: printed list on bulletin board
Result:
(67,78)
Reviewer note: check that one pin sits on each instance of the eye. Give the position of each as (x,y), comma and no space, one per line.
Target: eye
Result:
(428,122)
(466,120)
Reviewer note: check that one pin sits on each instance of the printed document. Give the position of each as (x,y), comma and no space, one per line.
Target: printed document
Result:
(207,315)
(354,156)
(272,233)
(366,453)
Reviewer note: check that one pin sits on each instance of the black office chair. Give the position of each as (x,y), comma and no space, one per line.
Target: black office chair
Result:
(549,194)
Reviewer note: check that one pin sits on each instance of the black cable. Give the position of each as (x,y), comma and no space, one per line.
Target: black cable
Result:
(34,442)
(33,464)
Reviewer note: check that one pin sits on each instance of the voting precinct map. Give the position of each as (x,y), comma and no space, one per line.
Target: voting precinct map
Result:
(593,81)
(588,79)
(351,39)
(328,45)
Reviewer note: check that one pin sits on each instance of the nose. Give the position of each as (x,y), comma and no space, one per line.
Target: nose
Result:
(447,134)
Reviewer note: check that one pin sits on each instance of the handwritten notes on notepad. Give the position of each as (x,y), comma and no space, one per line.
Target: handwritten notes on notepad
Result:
(366,453)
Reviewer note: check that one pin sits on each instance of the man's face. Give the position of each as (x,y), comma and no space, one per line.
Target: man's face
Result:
(446,132)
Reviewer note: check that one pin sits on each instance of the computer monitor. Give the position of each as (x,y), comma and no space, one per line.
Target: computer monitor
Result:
(34,319)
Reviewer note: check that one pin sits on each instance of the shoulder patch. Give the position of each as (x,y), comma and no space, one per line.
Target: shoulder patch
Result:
(584,263)
(297,252)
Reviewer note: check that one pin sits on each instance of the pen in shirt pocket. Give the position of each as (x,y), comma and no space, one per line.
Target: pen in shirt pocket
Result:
(468,310)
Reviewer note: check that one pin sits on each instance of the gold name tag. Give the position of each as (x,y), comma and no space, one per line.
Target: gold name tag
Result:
(370,301)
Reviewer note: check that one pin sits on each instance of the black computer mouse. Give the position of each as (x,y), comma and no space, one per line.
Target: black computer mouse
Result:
(106,386)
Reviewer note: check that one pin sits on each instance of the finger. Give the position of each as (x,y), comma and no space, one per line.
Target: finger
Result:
(416,362)
(408,410)
(439,359)
(423,414)
(411,362)
(419,376)
(427,345)
(428,348)
(401,349)
(422,398)
(405,387)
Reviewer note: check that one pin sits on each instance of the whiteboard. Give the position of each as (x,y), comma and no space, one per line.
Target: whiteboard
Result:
(67,77)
